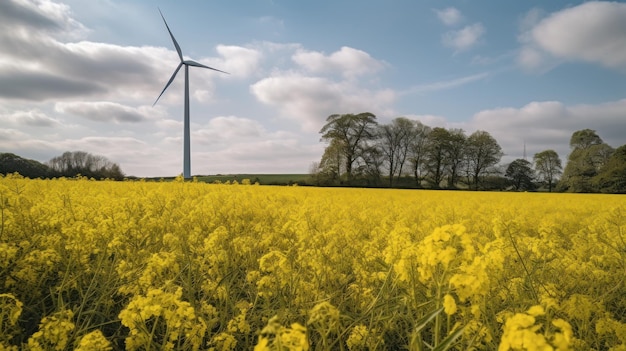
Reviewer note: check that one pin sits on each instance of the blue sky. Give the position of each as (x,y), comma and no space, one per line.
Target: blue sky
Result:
(77,75)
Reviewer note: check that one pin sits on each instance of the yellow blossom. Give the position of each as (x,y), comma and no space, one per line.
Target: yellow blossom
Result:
(449,305)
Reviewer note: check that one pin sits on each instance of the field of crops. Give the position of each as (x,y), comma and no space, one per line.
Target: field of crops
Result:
(178,265)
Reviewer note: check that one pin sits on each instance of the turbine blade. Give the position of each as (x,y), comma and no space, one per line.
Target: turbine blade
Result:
(169,82)
(197,64)
(180,52)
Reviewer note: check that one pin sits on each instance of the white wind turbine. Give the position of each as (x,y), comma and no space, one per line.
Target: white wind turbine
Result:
(186,134)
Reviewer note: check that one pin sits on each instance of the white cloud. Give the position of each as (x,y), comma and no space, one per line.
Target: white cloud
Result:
(32,118)
(449,16)
(549,125)
(238,61)
(102,145)
(49,77)
(305,99)
(37,65)
(261,156)
(10,135)
(169,124)
(235,144)
(347,61)
(29,19)
(229,129)
(310,100)
(320,85)
(465,38)
(114,148)
(591,32)
(104,111)
(532,59)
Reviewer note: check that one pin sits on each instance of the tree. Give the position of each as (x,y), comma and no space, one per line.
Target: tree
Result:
(455,152)
(417,149)
(520,173)
(548,166)
(351,133)
(589,155)
(436,154)
(11,163)
(330,165)
(70,164)
(482,152)
(369,165)
(584,139)
(394,143)
(599,155)
(612,177)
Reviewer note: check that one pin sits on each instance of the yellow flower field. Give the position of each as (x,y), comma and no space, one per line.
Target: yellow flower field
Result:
(88,265)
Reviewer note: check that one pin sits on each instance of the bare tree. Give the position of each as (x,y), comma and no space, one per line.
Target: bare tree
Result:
(70,164)
(436,154)
(455,155)
(394,140)
(418,140)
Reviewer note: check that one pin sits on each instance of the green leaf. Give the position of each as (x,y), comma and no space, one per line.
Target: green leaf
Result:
(449,340)
(426,319)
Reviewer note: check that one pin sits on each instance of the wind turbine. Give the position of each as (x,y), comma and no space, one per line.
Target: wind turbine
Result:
(186,133)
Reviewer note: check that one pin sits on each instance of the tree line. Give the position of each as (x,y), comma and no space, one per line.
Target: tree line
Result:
(408,153)
(68,164)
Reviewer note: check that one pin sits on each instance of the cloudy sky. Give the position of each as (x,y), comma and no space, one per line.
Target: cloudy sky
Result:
(83,75)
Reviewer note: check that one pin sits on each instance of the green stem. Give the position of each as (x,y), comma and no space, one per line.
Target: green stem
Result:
(519,255)
(438,317)
(156,321)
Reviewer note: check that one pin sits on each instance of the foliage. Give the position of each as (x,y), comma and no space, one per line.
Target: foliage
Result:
(395,141)
(437,155)
(69,164)
(443,155)
(417,151)
(584,139)
(548,167)
(329,168)
(612,177)
(482,153)
(455,150)
(194,266)
(11,163)
(362,153)
(589,155)
(262,179)
(351,134)
(520,173)
(440,156)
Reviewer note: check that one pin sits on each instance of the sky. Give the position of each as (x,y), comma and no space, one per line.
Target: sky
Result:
(83,75)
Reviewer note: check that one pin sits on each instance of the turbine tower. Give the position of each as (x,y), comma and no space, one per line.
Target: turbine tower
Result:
(186,133)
